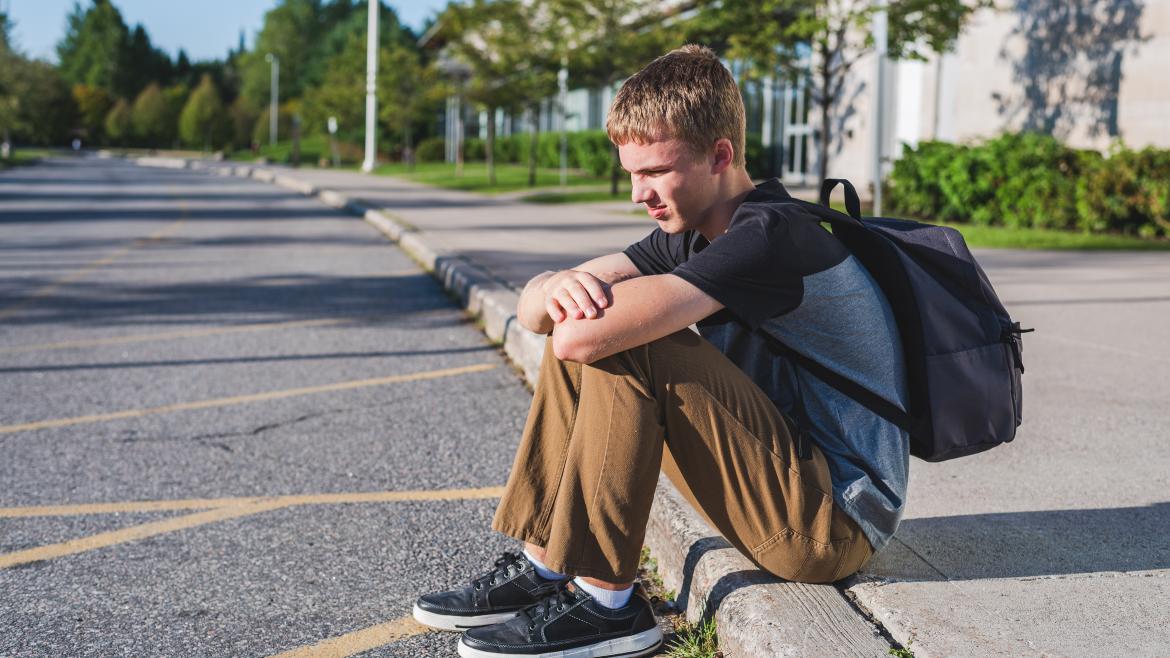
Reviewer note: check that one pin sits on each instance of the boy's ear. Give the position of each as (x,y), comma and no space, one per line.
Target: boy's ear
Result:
(724,155)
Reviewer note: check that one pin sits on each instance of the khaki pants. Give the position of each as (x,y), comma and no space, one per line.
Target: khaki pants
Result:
(597,435)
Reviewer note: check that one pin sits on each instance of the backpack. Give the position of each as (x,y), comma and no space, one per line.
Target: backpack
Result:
(963,353)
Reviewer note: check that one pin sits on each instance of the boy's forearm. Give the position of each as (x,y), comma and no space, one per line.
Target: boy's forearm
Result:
(530,311)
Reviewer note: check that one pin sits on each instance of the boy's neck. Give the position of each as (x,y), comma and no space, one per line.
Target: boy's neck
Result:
(735,187)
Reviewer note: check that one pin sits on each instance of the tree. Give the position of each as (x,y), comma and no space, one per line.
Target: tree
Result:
(95,49)
(608,40)
(407,93)
(202,120)
(93,105)
(242,118)
(145,63)
(153,117)
(342,91)
(771,34)
(35,102)
(507,48)
(292,31)
(119,128)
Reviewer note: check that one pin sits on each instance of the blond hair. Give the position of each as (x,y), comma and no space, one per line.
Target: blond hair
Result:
(686,94)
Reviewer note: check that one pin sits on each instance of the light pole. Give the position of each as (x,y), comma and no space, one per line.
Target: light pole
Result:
(274,95)
(371,87)
(562,98)
(880,37)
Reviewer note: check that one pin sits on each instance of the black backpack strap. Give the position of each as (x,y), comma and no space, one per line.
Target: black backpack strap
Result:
(857,392)
(852,202)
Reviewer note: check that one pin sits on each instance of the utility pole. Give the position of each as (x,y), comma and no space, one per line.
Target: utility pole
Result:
(562,98)
(274,97)
(371,87)
(880,38)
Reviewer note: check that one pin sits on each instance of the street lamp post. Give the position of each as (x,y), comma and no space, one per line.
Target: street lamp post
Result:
(371,87)
(562,99)
(274,96)
(880,37)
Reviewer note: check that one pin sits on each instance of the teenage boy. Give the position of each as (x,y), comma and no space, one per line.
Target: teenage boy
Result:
(626,389)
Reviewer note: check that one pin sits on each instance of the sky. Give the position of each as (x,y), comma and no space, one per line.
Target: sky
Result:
(206,29)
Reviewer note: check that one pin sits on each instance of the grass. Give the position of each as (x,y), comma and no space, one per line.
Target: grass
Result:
(695,641)
(581,196)
(1001,237)
(313,148)
(904,652)
(686,640)
(24,156)
(509,177)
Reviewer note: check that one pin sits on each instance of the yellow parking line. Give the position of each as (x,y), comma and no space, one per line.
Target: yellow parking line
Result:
(134,533)
(245,399)
(287,500)
(169,335)
(49,289)
(359,641)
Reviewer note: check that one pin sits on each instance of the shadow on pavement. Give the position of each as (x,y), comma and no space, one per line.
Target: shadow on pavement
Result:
(1027,544)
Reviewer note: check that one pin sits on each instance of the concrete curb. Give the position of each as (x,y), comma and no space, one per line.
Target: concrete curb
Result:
(757,614)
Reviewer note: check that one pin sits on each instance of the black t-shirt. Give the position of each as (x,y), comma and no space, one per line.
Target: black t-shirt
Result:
(757,268)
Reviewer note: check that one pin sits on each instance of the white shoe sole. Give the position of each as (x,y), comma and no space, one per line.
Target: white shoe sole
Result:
(641,644)
(456,622)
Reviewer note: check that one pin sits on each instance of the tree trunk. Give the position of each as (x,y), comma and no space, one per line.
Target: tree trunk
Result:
(408,146)
(490,146)
(615,168)
(532,146)
(826,107)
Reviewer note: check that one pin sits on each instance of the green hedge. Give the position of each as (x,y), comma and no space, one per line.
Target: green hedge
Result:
(1032,180)
(588,150)
(431,149)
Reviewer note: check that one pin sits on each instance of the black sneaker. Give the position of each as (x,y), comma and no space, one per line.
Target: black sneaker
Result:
(493,597)
(569,624)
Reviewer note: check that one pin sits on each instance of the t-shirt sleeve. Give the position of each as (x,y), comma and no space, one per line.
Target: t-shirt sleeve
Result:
(751,269)
(658,253)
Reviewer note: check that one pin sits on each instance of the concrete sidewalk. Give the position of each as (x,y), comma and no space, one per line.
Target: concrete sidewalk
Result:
(1056,544)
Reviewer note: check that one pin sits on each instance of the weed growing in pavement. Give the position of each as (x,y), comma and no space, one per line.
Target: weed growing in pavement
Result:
(903,652)
(695,641)
(683,639)
(648,574)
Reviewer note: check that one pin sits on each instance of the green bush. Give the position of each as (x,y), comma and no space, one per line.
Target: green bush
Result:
(591,150)
(756,157)
(1128,192)
(1028,180)
(588,150)
(474,149)
(431,149)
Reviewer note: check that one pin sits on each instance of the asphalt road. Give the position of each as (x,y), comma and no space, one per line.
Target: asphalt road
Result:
(207,388)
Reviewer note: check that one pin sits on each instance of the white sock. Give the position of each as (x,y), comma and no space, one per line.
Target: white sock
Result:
(608,598)
(541,570)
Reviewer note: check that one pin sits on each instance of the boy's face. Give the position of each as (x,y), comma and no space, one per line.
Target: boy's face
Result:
(676,187)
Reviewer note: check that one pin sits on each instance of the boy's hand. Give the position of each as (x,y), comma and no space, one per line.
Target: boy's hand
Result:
(575,294)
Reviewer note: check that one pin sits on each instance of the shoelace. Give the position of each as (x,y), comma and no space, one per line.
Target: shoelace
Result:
(504,567)
(554,602)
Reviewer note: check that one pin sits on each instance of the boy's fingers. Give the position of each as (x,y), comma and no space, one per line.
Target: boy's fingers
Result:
(581,296)
(554,310)
(567,302)
(594,289)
